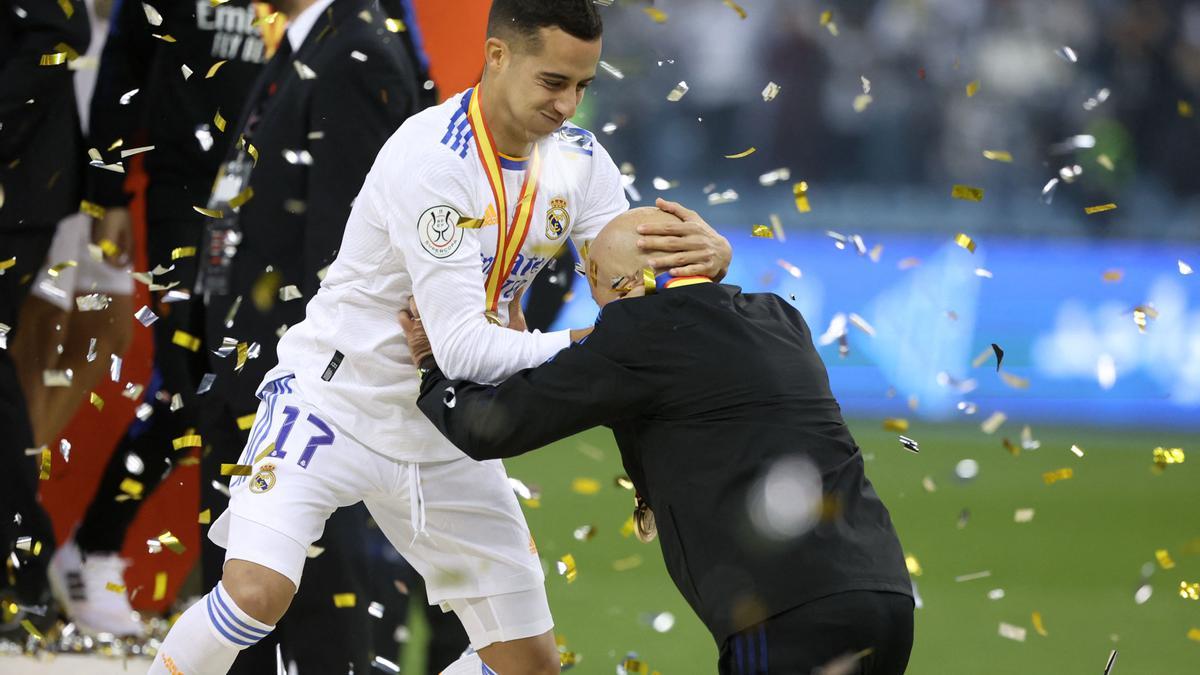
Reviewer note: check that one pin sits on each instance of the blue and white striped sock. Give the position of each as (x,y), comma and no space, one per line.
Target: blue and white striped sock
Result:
(229,623)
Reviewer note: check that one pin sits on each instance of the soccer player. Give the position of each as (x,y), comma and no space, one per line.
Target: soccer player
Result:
(464,205)
(727,427)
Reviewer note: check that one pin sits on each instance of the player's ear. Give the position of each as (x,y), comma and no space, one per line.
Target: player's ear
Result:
(495,53)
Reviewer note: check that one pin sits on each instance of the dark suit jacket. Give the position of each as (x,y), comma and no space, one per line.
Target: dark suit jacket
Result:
(41,158)
(295,220)
(706,389)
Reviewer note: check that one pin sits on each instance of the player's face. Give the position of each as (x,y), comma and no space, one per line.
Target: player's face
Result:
(545,86)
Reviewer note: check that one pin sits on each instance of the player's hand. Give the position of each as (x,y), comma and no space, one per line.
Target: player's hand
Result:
(414,332)
(685,249)
(115,226)
(516,315)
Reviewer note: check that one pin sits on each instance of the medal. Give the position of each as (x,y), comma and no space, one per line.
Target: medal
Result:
(643,520)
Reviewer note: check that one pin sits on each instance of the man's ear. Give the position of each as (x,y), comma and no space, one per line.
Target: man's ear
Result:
(495,53)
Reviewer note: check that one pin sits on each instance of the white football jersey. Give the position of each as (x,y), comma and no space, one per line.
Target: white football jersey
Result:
(424,225)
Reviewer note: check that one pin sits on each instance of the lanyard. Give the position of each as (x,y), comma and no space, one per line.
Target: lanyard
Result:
(510,237)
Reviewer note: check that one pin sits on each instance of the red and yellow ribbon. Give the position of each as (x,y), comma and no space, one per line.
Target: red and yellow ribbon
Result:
(510,237)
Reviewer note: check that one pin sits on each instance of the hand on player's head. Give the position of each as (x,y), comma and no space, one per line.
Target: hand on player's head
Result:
(685,246)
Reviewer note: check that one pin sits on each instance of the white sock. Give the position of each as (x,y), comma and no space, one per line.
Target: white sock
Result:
(207,637)
(468,664)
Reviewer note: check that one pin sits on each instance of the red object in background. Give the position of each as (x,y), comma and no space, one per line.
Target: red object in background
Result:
(453,35)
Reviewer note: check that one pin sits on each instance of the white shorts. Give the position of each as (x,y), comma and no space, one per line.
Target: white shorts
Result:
(88,275)
(457,522)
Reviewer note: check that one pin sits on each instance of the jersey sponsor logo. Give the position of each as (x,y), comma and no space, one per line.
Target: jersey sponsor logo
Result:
(439,231)
(263,480)
(557,218)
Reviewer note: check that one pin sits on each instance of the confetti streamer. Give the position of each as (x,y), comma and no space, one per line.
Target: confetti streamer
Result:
(241,198)
(236,469)
(967,193)
(745,153)
(212,70)
(1089,210)
(1038,625)
(735,7)
(187,441)
(211,213)
(57,268)
(998,155)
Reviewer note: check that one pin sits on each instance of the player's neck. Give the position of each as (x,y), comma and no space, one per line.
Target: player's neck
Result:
(509,137)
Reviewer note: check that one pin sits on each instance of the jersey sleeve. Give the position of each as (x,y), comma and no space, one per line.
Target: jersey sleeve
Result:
(422,196)
(604,200)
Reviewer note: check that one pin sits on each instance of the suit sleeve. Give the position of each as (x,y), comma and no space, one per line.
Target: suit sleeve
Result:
(26,86)
(125,62)
(356,108)
(589,384)
(423,190)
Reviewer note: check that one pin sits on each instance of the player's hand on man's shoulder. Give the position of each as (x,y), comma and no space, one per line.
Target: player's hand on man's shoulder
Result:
(689,248)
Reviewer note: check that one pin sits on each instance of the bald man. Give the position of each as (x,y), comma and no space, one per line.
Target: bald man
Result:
(727,427)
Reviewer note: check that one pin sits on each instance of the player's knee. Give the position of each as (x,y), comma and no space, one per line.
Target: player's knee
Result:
(261,592)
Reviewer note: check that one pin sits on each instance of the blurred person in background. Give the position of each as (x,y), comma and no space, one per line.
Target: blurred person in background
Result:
(41,169)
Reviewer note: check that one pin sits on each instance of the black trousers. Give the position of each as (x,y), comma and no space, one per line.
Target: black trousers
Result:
(852,633)
(19,472)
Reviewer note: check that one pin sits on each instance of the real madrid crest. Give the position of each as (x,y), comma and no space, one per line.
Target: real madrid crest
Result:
(263,480)
(557,218)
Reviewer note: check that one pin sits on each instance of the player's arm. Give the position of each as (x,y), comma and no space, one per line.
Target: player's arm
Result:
(444,263)
(688,248)
(589,384)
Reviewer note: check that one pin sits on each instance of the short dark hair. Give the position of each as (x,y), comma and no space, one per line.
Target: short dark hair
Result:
(523,18)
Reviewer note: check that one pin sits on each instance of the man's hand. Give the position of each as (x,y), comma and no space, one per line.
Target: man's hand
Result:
(516,315)
(688,248)
(115,226)
(414,332)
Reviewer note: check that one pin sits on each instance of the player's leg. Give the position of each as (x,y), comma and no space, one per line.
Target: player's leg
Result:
(459,525)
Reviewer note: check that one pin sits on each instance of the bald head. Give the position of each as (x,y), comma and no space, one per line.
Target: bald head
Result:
(614,260)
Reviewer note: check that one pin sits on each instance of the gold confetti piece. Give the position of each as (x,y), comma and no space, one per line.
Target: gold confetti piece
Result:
(1014,381)
(998,155)
(993,422)
(187,341)
(800,192)
(164,38)
(188,441)
(1038,625)
(212,70)
(982,358)
(395,25)
(628,527)
(470,223)
(236,469)
(728,3)
(263,453)
(897,424)
(183,252)
(745,153)
(1106,162)
(55,59)
(678,92)
(1185,109)
(114,587)
(1052,477)
(253,152)
(132,487)
(92,209)
(243,352)
(1165,456)
(627,563)
(585,486)
(67,8)
(5,264)
(211,213)
(1113,275)
(242,197)
(160,585)
(972,88)
(827,22)
(205,517)
(95,400)
(32,630)
(967,193)
(655,13)
(344,600)
(1194,634)
(770,92)
(219,121)
(1164,559)
(171,542)
(1189,591)
(55,269)
(189,461)
(566,567)
(914,566)
(965,241)
(1089,210)
(46,459)
(762,231)
(246,421)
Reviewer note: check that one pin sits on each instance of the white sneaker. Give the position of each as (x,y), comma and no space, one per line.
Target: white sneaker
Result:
(81,586)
